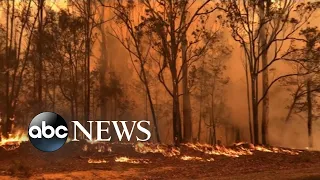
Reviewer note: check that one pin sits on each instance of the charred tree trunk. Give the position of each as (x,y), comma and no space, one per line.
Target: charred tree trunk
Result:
(177,135)
(187,121)
(265,75)
(39,49)
(292,106)
(103,66)
(200,113)
(176,116)
(255,109)
(248,102)
(9,61)
(310,116)
(6,68)
(87,63)
(153,112)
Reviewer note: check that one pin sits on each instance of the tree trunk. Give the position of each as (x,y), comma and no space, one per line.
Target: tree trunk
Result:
(145,81)
(39,48)
(176,116)
(248,102)
(265,75)
(103,66)
(88,52)
(255,110)
(10,58)
(187,119)
(201,91)
(6,68)
(153,112)
(310,116)
(292,106)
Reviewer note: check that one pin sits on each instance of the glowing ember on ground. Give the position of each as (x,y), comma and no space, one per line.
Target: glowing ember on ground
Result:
(85,148)
(132,160)
(96,161)
(13,141)
(239,151)
(194,158)
(277,150)
(167,151)
(219,150)
(101,148)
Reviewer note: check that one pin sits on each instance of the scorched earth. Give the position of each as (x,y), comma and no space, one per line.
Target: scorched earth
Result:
(84,160)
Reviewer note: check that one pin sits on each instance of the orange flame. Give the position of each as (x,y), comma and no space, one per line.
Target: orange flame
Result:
(156,148)
(195,158)
(14,140)
(97,147)
(96,161)
(124,159)
(219,150)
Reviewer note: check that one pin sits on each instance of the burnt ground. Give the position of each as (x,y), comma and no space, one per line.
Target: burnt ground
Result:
(71,162)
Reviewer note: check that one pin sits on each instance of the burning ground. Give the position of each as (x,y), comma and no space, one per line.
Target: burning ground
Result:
(84,160)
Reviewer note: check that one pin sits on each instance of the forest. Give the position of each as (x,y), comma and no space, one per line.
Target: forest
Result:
(214,72)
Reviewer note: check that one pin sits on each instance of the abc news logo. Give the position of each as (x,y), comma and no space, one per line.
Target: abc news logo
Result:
(48,131)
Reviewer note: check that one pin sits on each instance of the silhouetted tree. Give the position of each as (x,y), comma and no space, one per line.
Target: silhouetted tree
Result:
(261,27)
(306,88)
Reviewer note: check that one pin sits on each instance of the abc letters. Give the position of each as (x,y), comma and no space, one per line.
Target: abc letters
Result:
(45,128)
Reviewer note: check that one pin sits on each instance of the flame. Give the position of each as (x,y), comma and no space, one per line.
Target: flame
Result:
(124,159)
(195,158)
(68,140)
(277,150)
(101,148)
(14,140)
(85,148)
(219,150)
(262,149)
(166,151)
(239,150)
(96,161)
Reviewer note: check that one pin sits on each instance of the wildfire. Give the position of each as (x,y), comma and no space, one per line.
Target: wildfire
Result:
(97,147)
(277,150)
(219,150)
(132,160)
(85,148)
(96,161)
(194,158)
(14,140)
(167,151)
(103,148)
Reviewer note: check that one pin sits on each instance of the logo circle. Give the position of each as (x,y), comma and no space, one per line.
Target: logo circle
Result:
(48,131)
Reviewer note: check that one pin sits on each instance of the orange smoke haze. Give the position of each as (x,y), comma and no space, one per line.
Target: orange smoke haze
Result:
(118,61)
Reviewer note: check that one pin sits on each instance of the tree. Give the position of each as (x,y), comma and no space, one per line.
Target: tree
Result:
(163,24)
(258,31)
(64,34)
(16,56)
(167,30)
(103,67)
(39,62)
(306,87)
(187,122)
(208,85)
(134,45)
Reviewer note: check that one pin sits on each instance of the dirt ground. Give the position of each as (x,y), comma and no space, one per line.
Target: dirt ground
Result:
(72,162)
